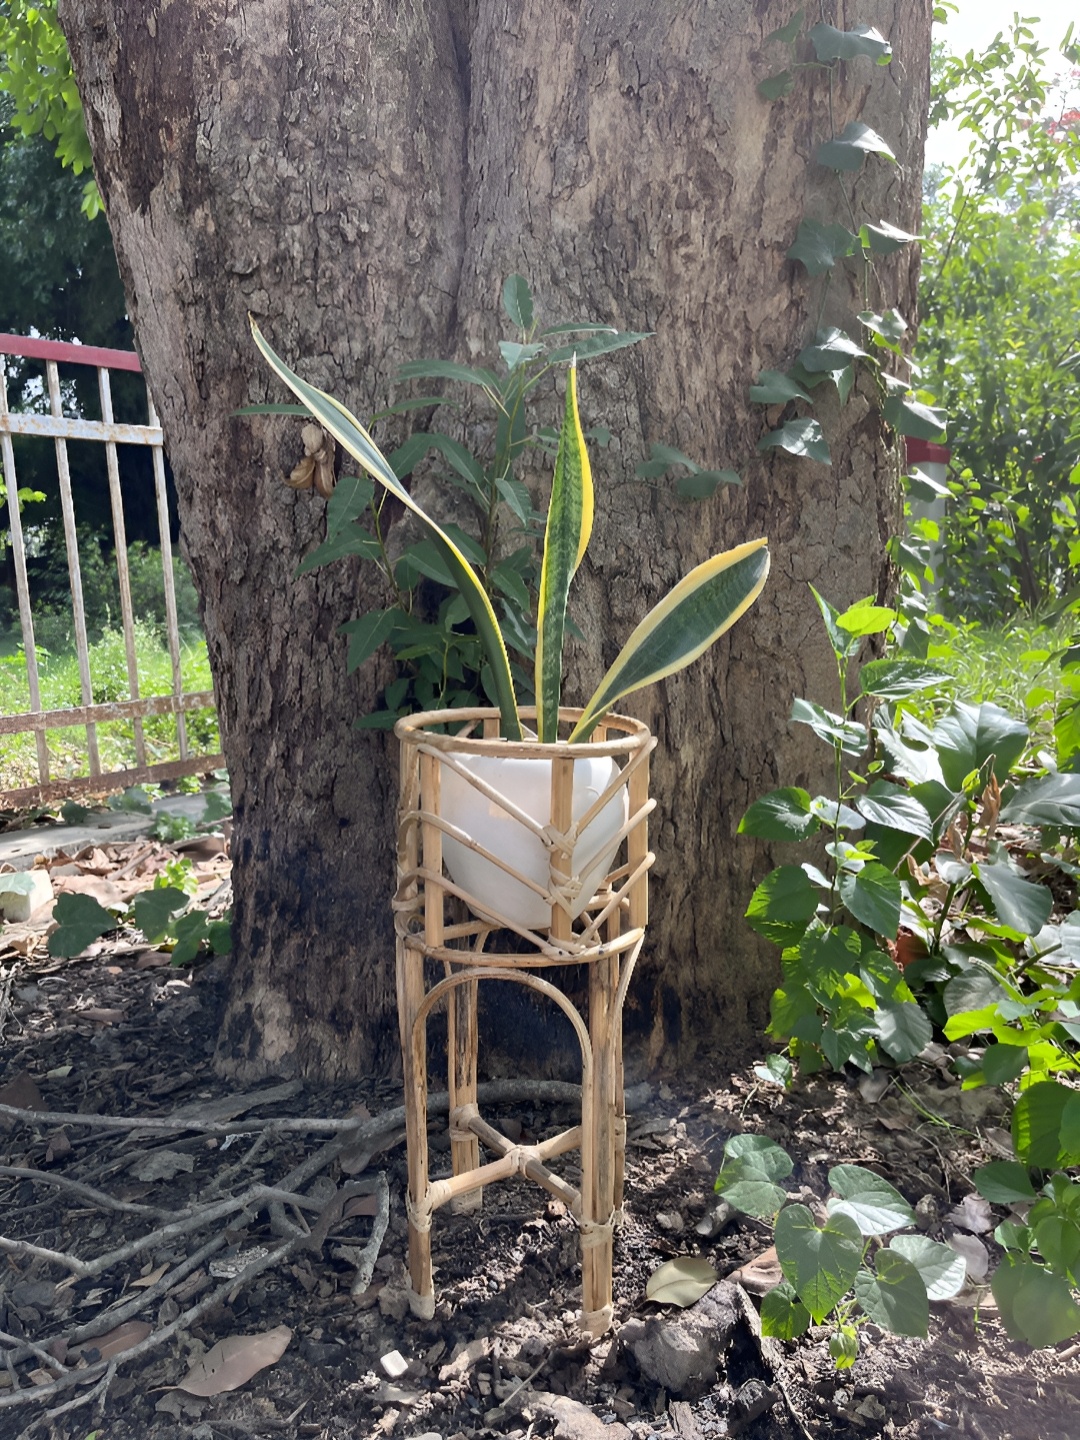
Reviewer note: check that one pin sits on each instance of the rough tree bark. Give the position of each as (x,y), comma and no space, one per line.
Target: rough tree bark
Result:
(362,177)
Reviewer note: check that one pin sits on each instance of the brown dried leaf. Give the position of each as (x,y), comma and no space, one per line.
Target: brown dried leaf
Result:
(151,1279)
(115,1342)
(22,1094)
(102,1016)
(302,476)
(360,1205)
(232,1362)
(761,1274)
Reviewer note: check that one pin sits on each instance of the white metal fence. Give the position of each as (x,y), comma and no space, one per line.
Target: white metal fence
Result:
(61,428)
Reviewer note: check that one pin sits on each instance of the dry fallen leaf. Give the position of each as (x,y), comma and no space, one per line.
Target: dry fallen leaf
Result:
(974,1253)
(162,1165)
(232,1362)
(101,1016)
(115,1342)
(761,1274)
(360,1205)
(151,1279)
(973,1213)
(22,1094)
(681,1281)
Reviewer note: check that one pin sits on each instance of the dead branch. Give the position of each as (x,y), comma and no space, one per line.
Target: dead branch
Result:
(158,1337)
(84,1192)
(45,1356)
(364,1259)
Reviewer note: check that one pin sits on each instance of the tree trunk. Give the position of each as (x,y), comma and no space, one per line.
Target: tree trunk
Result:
(362,178)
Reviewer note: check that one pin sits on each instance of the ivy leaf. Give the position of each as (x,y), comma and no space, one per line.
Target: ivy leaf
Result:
(190,931)
(829,727)
(874,1205)
(851,146)
(1050,800)
(787,33)
(780,815)
(153,911)
(775,388)
(81,921)
(1036,1123)
(819,1263)
(940,1268)
(803,438)
(703,484)
(890,326)
(969,735)
(819,247)
(752,1166)
(775,87)
(1034,1305)
(832,44)
(913,418)
(783,1315)
(884,239)
(832,350)
(894,1296)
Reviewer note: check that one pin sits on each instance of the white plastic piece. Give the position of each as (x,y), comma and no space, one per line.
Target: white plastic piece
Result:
(526,783)
(24,892)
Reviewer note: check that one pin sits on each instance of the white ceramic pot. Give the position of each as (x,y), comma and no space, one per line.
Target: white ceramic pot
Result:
(527,784)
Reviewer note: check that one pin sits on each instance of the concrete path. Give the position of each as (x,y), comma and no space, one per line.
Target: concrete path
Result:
(19,847)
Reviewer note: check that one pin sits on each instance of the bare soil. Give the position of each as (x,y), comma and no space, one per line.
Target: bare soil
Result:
(118,1032)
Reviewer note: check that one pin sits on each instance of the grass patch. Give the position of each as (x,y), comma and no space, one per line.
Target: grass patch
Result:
(60,686)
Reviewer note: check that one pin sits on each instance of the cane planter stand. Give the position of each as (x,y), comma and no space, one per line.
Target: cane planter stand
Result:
(603,930)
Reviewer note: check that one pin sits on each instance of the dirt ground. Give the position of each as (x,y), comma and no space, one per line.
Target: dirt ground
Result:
(168,1263)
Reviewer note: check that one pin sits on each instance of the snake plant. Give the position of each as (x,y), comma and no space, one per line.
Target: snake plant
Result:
(704,604)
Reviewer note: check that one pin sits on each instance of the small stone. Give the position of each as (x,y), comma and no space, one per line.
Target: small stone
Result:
(714,1220)
(394,1364)
(682,1353)
(670,1220)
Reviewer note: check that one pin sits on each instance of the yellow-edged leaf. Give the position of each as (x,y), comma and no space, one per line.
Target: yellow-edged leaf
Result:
(352,436)
(696,612)
(569,525)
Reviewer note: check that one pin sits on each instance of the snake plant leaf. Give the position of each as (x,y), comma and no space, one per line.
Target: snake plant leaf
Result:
(350,434)
(696,612)
(569,525)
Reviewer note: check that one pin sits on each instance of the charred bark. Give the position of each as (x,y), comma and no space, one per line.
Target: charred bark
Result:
(362,178)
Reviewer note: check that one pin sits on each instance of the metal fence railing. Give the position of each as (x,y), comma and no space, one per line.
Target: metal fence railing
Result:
(137,708)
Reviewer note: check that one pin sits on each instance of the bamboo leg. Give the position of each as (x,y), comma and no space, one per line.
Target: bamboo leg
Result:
(613,929)
(598,1152)
(461,1046)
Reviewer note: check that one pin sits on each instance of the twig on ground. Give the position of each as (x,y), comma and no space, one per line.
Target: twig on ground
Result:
(157,1337)
(39,1350)
(363,1259)
(197,1219)
(98,1393)
(357,1130)
(84,1192)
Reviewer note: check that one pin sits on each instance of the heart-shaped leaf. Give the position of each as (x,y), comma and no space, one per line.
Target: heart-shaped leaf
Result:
(894,1296)
(940,1268)
(820,1263)
(874,1205)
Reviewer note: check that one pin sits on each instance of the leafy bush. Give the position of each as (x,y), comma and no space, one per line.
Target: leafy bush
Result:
(922,919)
(827,1267)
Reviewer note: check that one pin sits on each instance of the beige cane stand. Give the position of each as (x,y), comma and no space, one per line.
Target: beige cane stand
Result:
(607,937)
